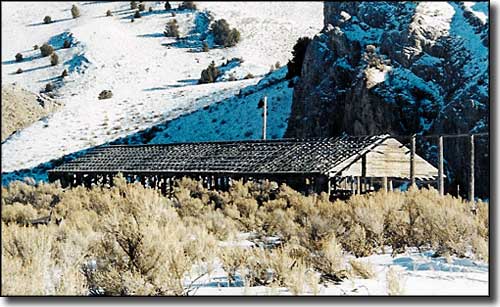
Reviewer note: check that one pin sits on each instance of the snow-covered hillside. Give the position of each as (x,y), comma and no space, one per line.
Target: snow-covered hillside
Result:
(153,78)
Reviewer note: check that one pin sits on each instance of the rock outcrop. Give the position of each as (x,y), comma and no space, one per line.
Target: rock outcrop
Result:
(400,68)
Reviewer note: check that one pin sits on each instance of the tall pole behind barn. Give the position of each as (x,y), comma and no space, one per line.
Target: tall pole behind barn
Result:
(440,167)
(471,179)
(264,118)
(412,160)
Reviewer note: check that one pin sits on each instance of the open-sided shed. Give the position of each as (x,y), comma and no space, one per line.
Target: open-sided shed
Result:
(336,165)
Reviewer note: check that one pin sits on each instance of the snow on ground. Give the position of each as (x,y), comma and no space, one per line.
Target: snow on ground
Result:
(153,78)
(418,274)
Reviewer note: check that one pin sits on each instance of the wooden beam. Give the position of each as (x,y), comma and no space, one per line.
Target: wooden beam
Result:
(384,184)
(440,167)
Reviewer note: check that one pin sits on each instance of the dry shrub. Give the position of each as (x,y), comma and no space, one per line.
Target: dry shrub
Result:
(233,260)
(131,240)
(329,260)
(18,213)
(395,282)
(362,269)
(40,261)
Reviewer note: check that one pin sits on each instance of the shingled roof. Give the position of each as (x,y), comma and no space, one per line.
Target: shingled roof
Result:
(288,156)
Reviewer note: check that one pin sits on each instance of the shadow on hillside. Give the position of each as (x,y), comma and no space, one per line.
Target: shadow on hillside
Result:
(96,2)
(57,41)
(25,59)
(129,13)
(152,35)
(36,68)
(47,24)
(39,172)
(77,63)
(195,38)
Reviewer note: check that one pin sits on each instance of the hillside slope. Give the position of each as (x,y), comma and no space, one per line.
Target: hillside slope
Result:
(20,108)
(153,78)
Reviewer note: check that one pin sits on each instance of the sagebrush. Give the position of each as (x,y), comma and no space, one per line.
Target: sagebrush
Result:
(131,240)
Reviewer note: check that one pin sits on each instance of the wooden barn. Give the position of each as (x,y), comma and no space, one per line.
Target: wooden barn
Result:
(340,166)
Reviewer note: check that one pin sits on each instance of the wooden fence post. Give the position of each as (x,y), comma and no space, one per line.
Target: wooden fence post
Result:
(440,167)
(471,178)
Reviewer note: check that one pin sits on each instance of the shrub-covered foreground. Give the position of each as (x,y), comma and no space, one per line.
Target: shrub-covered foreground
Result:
(130,240)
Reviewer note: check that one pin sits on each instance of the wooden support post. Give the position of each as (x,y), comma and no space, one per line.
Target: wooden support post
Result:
(363,174)
(440,167)
(391,188)
(471,172)
(358,184)
(412,160)
(458,190)
(164,184)
(352,186)
(384,184)
(264,118)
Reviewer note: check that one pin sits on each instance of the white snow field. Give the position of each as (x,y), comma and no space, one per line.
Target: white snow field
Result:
(153,78)
(417,274)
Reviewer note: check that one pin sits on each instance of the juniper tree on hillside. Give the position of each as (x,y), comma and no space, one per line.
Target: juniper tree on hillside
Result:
(223,34)
(47,19)
(299,52)
(210,74)
(54,59)
(168,7)
(75,11)
(187,5)
(46,50)
(205,47)
(172,29)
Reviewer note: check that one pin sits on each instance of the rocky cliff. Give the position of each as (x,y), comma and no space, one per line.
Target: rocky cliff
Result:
(400,68)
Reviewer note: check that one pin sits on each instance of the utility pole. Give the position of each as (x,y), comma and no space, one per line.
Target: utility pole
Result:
(264,118)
